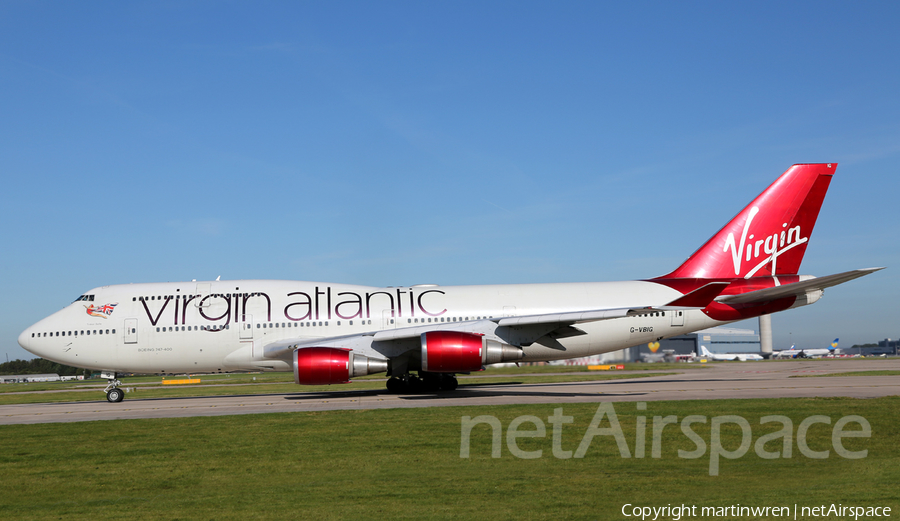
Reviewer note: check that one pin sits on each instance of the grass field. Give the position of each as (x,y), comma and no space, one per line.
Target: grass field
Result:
(406,464)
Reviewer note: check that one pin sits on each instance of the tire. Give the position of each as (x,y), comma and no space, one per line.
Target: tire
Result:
(430,382)
(115,395)
(449,383)
(395,385)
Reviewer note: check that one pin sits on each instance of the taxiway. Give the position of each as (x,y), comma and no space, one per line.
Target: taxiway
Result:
(718,381)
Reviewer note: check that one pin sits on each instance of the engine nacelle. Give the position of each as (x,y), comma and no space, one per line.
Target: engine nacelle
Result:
(460,352)
(330,365)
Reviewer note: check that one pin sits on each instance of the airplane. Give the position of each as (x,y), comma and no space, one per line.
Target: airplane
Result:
(807,353)
(728,357)
(668,356)
(329,333)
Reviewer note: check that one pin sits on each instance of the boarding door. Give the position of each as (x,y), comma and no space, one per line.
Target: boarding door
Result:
(246,327)
(387,319)
(202,292)
(131,336)
(677,317)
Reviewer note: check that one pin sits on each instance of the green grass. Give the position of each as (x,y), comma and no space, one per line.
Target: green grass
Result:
(283,383)
(405,464)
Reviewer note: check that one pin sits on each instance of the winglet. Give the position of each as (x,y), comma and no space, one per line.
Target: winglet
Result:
(699,298)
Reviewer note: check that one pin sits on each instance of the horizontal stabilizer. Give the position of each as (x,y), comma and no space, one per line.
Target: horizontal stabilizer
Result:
(797,288)
(699,298)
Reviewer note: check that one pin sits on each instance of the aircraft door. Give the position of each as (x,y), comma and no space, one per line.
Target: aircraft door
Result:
(246,327)
(131,336)
(203,292)
(677,317)
(387,319)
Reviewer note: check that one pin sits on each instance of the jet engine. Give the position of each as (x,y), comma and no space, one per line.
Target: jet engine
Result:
(459,352)
(330,365)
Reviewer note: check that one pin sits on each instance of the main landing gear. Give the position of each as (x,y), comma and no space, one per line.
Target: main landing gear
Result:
(424,383)
(113,393)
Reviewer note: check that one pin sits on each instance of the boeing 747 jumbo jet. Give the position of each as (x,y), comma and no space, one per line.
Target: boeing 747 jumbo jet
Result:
(329,333)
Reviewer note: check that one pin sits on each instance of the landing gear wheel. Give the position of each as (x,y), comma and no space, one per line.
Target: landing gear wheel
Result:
(414,385)
(115,395)
(431,382)
(449,382)
(396,385)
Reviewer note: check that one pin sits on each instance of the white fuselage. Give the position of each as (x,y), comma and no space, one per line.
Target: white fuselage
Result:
(194,326)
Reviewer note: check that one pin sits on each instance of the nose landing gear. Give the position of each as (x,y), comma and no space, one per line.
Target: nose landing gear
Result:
(113,393)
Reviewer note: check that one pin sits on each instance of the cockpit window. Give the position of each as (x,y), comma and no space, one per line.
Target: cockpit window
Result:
(85,298)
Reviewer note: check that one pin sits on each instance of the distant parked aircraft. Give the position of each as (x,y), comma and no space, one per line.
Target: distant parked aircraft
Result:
(806,353)
(728,357)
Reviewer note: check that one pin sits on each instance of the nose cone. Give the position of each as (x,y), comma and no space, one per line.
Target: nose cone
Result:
(27,341)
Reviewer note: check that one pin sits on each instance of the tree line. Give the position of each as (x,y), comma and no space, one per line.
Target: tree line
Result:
(40,366)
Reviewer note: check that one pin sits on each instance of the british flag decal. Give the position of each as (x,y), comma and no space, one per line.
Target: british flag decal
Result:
(103,311)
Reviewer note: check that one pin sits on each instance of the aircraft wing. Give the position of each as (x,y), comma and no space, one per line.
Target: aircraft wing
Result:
(796,289)
(545,329)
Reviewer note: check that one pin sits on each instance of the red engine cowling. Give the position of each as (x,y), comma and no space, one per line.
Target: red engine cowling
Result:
(330,365)
(452,352)
(321,366)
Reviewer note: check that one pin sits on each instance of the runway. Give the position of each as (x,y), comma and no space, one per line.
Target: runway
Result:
(718,381)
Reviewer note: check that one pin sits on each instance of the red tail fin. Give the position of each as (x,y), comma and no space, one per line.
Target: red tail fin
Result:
(769,236)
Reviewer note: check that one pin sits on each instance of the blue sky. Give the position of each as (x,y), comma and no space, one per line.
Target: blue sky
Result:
(389,143)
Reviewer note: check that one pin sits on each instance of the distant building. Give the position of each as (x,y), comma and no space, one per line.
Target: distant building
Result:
(885,347)
(891,347)
(28,378)
(717,340)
